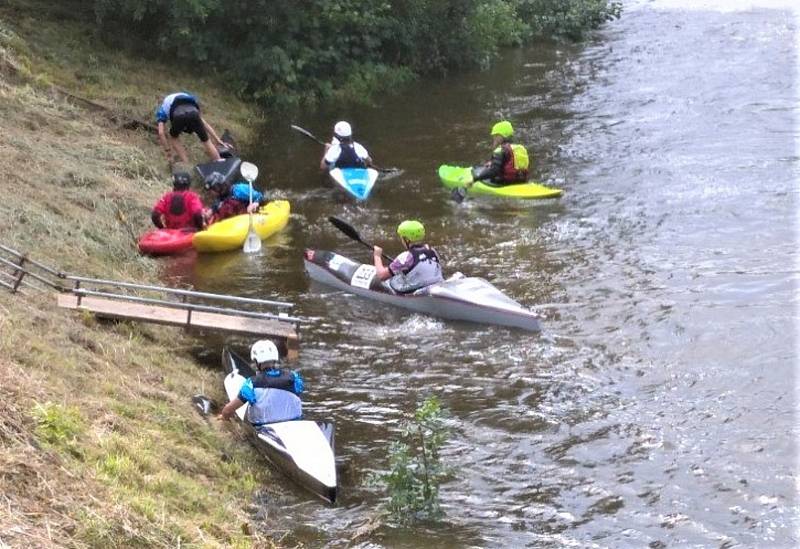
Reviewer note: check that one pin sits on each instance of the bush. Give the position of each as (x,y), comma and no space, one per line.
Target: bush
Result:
(298,53)
(415,468)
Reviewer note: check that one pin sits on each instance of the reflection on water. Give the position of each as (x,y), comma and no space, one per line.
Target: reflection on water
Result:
(656,407)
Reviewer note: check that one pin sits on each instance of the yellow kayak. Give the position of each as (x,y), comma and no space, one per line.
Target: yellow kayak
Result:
(454,177)
(229,234)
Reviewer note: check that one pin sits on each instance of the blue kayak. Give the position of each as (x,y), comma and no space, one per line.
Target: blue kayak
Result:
(357,182)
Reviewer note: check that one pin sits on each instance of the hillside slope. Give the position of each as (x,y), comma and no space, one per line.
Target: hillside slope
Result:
(100,444)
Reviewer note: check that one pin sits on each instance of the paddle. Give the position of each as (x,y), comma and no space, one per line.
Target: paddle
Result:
(348,230)
(321,142)
(459,194)
(252,243)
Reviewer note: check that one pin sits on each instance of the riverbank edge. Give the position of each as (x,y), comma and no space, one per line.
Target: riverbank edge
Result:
(100,443)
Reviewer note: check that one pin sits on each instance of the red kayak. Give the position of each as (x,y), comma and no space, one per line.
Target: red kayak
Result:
(165,241)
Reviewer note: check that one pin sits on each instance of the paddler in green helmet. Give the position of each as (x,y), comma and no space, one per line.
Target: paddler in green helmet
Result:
(415,268)
(509,162)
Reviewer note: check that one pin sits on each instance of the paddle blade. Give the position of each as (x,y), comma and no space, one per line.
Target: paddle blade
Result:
(459,194)
(252,243)
(345,227)
(249,171)
(204,405)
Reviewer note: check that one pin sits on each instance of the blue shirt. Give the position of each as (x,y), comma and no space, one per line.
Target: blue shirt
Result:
(162,112)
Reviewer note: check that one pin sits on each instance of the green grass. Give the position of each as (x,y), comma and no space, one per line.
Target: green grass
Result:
(113,454)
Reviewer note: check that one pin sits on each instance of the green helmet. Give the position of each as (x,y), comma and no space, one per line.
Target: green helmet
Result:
(503,129)
(412,230)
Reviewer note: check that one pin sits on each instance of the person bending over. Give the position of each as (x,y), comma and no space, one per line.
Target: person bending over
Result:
(182,111)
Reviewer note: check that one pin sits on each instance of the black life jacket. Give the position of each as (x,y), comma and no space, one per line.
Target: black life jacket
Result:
(283,380)
(422,252)
(348,157)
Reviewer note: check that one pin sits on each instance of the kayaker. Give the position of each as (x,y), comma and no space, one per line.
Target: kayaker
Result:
(509,162)
(230,200)
(415,268)
(272,393)
(182,111)
(179,208)
(342,151)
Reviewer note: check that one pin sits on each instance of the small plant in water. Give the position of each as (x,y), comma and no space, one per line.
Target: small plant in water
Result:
(415,468)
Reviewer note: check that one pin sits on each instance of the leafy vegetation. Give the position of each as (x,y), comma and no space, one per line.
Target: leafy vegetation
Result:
(287,53)
(415,468)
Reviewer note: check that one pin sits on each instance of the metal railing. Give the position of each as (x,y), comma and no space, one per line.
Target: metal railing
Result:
(22,267)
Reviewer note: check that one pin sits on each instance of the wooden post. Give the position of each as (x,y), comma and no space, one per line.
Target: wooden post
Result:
(19,273)
(292,348)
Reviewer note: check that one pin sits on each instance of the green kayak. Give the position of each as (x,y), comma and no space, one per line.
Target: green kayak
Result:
(454,177)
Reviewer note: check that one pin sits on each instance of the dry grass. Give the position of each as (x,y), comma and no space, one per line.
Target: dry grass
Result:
(99,443)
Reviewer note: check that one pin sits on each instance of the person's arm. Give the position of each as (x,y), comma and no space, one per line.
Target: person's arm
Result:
(162,139)
(214,137)
(158,219)
(323,163)
(494,168)
(230,408)
(377,260)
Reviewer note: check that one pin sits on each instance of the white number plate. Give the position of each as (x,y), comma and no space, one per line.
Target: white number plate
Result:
(363,276)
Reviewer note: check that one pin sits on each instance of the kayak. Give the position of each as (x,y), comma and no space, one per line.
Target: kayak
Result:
(357,182)
(227,167)
(466,298)
(166,241)
(301,449)
(229,234)
(454,177)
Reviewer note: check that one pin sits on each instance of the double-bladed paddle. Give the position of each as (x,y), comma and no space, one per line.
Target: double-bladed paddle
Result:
(321,142)
(350,231)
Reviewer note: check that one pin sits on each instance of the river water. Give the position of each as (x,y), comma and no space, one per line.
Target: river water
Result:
(657,407)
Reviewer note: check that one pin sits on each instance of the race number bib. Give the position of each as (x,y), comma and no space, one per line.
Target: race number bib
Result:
(363,276)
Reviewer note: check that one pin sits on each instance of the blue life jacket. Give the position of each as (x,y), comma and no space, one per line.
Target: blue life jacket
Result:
(241,192)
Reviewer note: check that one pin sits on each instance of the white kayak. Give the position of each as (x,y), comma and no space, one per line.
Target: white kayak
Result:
(303,450)
(468,298)
(357,182)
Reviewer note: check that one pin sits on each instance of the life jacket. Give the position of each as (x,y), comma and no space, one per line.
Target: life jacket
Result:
(286,380)
(179,209)
(515,164)
(348,157)
(426,269)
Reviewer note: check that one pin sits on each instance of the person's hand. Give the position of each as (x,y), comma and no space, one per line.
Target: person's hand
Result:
(252,207)
(377,251)
(220,417)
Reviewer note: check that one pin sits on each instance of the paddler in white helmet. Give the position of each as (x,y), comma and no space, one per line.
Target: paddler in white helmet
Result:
(272,393)
(417,267)
(342,151)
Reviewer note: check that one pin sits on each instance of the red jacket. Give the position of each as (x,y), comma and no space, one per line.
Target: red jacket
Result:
(182,209)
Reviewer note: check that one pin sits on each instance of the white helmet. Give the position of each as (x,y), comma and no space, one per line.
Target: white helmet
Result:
(343,129)
(263,351)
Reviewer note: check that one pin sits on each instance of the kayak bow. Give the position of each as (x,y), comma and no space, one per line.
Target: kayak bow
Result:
(357,182)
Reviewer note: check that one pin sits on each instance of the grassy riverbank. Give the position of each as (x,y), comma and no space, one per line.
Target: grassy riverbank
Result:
(100,445)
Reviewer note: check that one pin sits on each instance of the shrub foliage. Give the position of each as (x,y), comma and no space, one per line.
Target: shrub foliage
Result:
(282,53)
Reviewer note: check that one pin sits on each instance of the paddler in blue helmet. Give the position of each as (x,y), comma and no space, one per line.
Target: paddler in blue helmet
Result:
(272,393)
(417,267)
(509,163)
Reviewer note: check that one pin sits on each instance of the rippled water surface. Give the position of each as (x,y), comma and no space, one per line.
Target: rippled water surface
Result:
(658,405)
